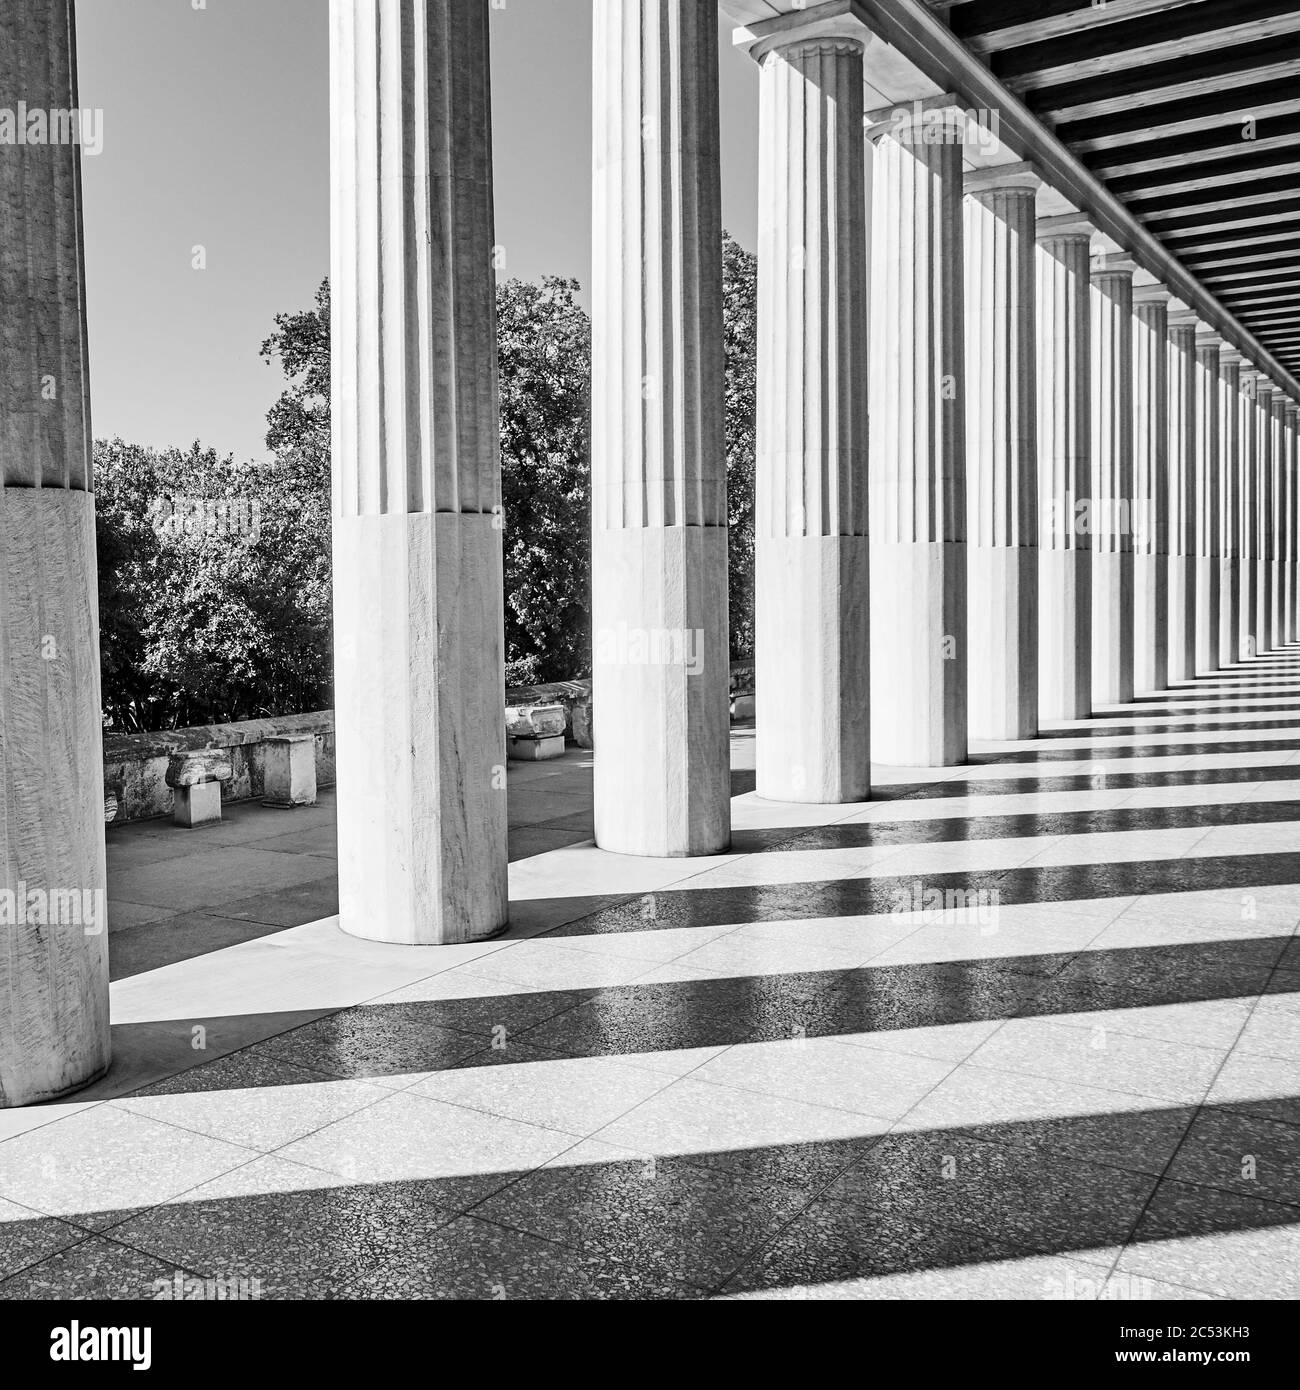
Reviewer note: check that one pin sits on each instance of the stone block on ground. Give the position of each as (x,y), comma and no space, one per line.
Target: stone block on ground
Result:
(289,771)
(536,750)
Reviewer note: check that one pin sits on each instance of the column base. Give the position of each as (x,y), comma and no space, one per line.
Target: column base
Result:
(919,653)
(1003,624)
(1182,618)
(1112,627)
(421,759)
(813,669)
(1247,642)
(1263,606)
(1065,634)
(1150,623)
(661,691)
(1207,613)
(1229,611)
(54,1036)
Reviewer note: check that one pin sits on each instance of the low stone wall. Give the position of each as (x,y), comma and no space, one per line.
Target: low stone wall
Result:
(135,765)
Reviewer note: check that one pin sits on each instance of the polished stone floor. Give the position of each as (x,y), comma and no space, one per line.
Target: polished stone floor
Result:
(1025,1028)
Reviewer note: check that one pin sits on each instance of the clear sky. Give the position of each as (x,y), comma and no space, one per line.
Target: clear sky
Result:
(216,134)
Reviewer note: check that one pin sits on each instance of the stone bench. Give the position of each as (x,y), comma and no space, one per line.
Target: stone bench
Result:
(195,778)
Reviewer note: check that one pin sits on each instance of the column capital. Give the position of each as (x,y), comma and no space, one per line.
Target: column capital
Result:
(1120,264)
(1002,178)
(940,120)
(1206,337)
(1068,224)
(1153,294)
(823,26)
(1230,357)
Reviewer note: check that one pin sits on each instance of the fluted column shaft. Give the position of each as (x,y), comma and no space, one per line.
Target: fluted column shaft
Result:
(1230,507)
(918,447)
(54,1035)
(811,547)
(1001,443)
(1209,541)
(1182,501)
(419,664)
(1151,492)
(660,651)
(1264,521)
(1278,522)
(1291,521)
(1064,476)
(1248,473)
(1112,486)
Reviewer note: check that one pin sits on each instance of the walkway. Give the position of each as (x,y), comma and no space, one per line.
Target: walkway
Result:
(753,1075)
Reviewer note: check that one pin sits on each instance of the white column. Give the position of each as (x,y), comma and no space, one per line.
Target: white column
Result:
(1248,473)
(1182,494)
(660,641)
(1267,543)
(1001,444)
(1278,525)
(811,547)
(54,959)
(918,447)
(1208,508)
(1230,505)
(1291,518)
(418,664)
(1064,471)
(1112,481)
(1150,488)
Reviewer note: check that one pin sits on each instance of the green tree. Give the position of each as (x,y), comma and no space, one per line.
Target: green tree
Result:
(740,336)
(544,346)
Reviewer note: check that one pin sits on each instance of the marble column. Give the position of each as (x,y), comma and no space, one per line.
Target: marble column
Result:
(660,648)
(1150,488)
(1248,476)
(1182,494)
(1267,541)
(1001,445)
(918,448)
(1112,481)
(1230,363)
(1208,508)
(1279,527)
(54,1034)
(419,647)
(1291,517)
(1064,470)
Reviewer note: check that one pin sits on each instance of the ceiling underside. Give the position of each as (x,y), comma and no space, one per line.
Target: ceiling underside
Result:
(1189,112)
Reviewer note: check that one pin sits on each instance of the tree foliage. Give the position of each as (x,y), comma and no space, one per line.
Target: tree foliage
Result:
(206,619)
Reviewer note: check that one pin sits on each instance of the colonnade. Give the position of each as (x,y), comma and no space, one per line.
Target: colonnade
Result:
(1003,478)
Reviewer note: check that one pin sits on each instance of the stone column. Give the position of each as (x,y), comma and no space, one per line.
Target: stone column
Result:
(1230,505)
(417,521)
(1064,470)
(54,962)
(1150,488)
(1208,510)
(1182,494)
(660,651)
(1291,518)
(918,446)
(1112,481)
(1278,525)
(1248,473)
(1267,540)
(1001,443)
